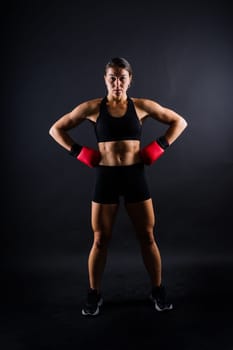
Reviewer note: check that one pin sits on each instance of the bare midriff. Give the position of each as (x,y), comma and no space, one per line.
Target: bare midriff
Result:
(115,153)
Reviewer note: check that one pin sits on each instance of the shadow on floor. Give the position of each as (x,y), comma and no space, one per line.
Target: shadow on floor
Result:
(43,310)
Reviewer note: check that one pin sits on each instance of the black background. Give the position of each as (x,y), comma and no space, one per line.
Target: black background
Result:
(53,58)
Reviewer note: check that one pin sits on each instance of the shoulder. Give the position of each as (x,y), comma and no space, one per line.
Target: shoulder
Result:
(92,108)
(91,105)
(146,107)
(85,110)
(88,107)
(145,102)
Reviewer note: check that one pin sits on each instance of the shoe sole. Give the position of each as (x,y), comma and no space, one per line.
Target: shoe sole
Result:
(157,308)
(100,303)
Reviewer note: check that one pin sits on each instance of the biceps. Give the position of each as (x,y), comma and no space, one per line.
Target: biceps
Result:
(68,122)
(167,116)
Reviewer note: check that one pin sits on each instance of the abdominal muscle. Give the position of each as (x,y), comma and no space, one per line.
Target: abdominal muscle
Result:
(115,153)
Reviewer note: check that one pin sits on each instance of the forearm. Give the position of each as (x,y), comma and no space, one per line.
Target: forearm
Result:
(156,148)
(175,130)
(61,137)
(84,154)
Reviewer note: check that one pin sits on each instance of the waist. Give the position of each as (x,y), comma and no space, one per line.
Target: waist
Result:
(120,153)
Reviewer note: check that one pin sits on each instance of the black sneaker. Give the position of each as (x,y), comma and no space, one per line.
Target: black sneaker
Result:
(158,297)
(93,303)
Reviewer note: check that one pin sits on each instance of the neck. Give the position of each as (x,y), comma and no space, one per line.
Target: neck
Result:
(117,99)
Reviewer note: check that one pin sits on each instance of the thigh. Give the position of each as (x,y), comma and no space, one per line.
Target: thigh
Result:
(142,216)
(106,190)
(135,187)
(103,217)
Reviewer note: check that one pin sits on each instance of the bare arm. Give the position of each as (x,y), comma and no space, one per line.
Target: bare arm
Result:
(176,122)
(59,130)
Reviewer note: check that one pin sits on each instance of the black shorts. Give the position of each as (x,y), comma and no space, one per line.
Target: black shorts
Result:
(115,181)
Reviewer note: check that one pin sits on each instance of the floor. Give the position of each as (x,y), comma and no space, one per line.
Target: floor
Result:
(42,300)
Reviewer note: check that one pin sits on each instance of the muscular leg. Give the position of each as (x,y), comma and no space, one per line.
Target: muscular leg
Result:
(102,220)
(143,219)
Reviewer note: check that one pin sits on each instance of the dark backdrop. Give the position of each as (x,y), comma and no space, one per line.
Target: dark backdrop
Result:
(53,58)
(55,53)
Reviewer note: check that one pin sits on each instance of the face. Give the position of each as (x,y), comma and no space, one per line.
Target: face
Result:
(117,81)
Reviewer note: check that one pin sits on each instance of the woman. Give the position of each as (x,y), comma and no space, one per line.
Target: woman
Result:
(119,163)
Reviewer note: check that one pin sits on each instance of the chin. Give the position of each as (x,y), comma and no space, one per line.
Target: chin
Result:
(118,94)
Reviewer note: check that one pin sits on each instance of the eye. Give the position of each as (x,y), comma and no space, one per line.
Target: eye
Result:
(123,79)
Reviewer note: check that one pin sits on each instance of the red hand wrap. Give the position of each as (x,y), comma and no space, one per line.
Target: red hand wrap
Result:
(151,153)
(89,156)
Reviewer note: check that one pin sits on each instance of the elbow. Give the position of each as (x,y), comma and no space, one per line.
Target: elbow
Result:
(51,131)
(183,123)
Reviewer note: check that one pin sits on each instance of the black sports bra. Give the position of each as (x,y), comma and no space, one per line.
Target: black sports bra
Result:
(109,128)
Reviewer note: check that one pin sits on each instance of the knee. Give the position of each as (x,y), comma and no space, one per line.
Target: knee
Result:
(101,241)
(146,238)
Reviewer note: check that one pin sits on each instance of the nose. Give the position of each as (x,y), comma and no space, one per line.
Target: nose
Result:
(118,82)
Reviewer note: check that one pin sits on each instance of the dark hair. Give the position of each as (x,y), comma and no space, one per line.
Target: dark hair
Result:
(119,62)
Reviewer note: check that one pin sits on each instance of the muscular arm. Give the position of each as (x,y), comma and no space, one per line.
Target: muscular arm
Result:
(176,122)
(59,130)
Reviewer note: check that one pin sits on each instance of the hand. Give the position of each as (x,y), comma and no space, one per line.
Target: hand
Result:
(86,155)
(89,156)
(151,152)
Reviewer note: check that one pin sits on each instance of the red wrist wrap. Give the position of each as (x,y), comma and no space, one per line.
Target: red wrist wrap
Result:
(151,153)
(89,156)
